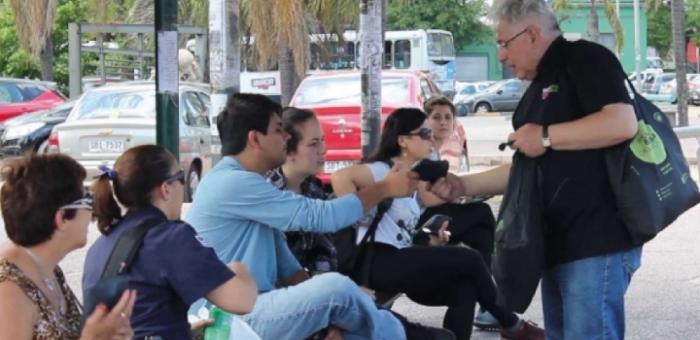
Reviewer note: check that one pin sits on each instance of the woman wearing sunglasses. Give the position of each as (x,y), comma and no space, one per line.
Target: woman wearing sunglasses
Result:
(173,268)
(436,274)
(46,217)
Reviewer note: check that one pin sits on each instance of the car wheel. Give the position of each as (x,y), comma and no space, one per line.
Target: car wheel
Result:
(483,107)
(193,177)
(43,147)
(462,110)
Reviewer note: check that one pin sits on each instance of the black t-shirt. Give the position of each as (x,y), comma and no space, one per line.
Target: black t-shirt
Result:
(575,79)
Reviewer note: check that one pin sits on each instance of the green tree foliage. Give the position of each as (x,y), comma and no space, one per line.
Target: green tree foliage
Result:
(461,17)
(19,64)
(659,29)
(659,25)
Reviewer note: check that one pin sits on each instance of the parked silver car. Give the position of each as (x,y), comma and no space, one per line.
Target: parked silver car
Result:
(502,96)
(465,90)
(108,120)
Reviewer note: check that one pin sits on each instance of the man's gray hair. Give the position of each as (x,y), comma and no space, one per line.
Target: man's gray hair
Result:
(516,11)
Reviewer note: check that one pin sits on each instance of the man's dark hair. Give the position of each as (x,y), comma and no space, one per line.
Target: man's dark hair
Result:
(435,101)
(244,112)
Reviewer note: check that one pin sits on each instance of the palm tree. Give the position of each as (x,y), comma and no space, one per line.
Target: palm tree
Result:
(679,49)
(34,21)
(592,31)
(282,32)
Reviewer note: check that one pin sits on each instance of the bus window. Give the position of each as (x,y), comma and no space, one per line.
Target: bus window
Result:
(387,54)
(402,54)
(440,45)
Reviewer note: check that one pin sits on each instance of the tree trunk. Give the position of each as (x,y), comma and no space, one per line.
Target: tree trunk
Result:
(46,59)
(592,29)
(288,76)
(679,50)
(371,49)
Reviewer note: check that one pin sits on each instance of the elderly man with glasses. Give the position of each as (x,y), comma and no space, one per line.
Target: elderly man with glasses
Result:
(576,106)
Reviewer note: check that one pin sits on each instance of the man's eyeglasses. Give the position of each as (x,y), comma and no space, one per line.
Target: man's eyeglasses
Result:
(83,203)
(504,44)
(178,176)
(423,133)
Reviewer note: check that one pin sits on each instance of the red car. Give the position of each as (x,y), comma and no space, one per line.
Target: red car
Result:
(18,96)
(335,98)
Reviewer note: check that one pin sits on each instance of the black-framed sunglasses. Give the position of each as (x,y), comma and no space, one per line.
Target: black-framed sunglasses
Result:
(504,44)
(85,202)
(178,176)
(424,133)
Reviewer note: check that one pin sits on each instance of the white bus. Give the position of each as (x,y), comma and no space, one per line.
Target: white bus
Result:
(422,50)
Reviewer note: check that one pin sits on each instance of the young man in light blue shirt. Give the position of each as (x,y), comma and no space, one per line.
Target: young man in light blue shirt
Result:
(243,217)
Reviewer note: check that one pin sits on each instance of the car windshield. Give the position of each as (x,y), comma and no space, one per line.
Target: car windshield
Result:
(347,90)
(116,104)
(468,90)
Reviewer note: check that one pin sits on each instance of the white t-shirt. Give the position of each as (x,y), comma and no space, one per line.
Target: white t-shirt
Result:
(397,226)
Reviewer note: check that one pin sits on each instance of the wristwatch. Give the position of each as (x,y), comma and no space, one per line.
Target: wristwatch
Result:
(546,142)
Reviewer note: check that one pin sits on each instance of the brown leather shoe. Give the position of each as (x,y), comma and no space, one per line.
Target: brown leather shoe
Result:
(528,331)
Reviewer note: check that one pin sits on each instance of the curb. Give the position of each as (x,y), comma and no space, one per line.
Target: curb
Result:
(488,114)
(497,160)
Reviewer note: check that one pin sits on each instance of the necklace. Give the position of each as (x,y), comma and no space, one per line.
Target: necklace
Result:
(50,283)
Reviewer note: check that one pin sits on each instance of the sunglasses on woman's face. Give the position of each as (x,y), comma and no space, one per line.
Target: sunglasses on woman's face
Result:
(178,176)
(83,203)
(423,133)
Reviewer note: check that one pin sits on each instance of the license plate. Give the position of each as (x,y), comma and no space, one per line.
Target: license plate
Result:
(332,166)
(106,146)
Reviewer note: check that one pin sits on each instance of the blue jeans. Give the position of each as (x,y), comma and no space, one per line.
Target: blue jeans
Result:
(299,311)
(585,299)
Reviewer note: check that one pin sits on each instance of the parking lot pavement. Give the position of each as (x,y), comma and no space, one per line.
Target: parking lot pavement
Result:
(662,302)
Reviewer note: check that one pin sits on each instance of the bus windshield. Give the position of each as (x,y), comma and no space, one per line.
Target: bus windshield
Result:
(440,45)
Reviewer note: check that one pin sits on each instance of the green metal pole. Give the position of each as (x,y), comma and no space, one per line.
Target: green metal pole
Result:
(167,77)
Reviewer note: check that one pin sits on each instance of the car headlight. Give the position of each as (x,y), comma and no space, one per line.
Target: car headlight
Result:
(14,132)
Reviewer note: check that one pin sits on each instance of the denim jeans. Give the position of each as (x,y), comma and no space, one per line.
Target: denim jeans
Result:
(299,311)
(585,299)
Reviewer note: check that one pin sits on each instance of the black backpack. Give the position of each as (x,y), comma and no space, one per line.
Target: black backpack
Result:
(114,281)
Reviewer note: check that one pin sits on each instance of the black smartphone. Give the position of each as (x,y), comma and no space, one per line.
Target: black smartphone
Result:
(434,223)
(430,170)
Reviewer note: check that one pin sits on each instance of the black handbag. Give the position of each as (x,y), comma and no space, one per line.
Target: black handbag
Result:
(519,257)
(649,174)
(114,281)
(353,258)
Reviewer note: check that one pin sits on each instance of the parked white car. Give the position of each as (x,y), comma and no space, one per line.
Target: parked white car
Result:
(108,120)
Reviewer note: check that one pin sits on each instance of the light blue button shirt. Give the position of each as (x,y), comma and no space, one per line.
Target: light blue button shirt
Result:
(244,217)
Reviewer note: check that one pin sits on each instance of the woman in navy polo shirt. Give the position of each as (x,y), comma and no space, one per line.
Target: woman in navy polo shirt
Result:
(173,267)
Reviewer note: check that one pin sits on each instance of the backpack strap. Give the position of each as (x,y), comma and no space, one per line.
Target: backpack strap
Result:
(366,260)
(127,247)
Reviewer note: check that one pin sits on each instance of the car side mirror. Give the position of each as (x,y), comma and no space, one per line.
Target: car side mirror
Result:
(500,92)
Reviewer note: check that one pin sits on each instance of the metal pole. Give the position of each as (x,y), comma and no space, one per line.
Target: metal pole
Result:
(167,76)
(371,49)
(637,46)
(140,57)
(224,57)
(617,9)
(100,46)
(75,73)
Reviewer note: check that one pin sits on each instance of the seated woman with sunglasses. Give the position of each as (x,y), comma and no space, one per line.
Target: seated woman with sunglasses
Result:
(433,275)
(473,223)
(46,217)
(173,268)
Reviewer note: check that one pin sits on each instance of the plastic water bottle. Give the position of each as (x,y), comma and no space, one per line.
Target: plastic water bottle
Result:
(221,328)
